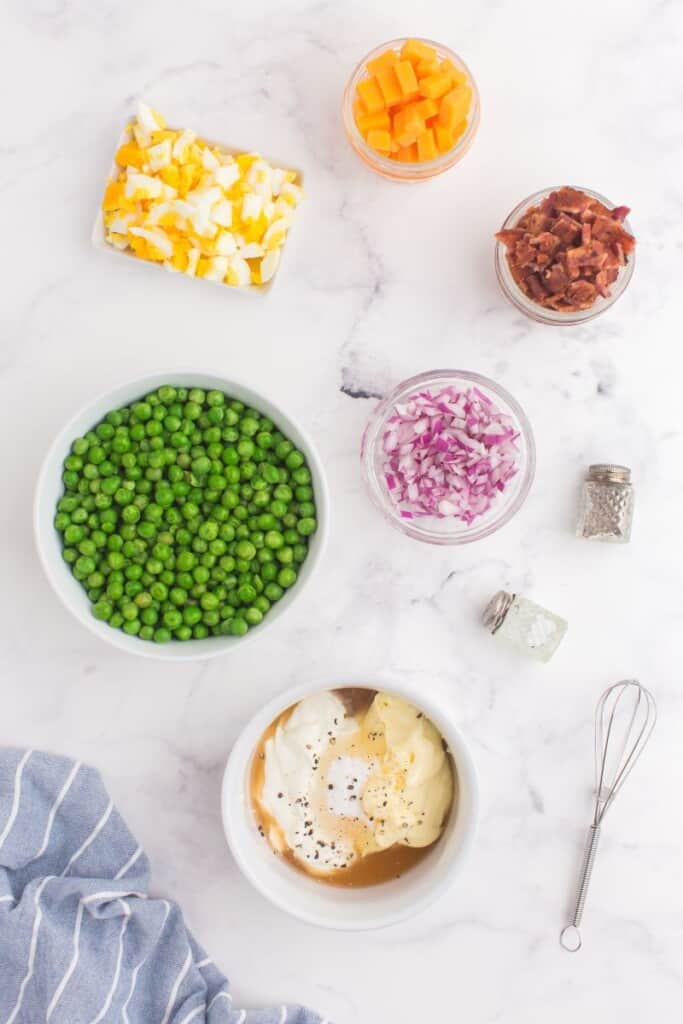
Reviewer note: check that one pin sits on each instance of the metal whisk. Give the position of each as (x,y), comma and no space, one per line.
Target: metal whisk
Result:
(624,720)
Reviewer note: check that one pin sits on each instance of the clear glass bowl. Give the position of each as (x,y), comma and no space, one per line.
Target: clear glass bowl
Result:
(449,530)
(532,309)
(392,168)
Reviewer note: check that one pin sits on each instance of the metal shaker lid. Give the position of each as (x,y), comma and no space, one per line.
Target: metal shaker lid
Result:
(609,473)
(496,610)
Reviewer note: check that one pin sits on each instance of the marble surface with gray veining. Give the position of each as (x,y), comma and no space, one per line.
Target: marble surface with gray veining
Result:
(381,281)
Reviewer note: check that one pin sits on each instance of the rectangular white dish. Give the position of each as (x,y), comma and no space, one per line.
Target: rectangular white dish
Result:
(99,239)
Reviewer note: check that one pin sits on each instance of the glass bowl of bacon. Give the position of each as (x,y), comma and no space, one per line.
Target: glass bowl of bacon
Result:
(564,255)
(448,457)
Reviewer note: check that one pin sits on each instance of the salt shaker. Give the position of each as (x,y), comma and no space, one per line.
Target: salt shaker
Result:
(524,624)
(606,507)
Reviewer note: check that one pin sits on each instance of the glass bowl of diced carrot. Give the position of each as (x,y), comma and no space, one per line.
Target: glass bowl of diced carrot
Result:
(411,109)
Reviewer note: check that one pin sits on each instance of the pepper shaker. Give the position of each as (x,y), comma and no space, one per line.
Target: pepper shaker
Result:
(524,624)
(606,507)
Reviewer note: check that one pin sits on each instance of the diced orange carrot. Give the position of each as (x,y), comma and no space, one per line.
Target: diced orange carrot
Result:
(456,74)
(406,78)
(371,95)
(407,126)
(454,106)
(427,108)
(413,106)
(381,63)
(366,122)
(406,102)
(390,86)
(426,146)
(459,130)
(444,139)
(407,154)
(435,86)
(415,50)
(425,68)
(380,138)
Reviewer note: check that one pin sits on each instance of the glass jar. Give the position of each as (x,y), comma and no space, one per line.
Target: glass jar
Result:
(392,168)
(532,309)
(524,624)
(447,529)
(606,507)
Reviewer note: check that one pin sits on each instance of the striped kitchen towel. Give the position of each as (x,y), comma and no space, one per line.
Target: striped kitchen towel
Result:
(81,941)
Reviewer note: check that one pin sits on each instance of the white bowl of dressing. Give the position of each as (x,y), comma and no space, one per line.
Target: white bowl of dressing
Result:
(331,906)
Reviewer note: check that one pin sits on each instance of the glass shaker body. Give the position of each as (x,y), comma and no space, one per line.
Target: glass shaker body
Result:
(606,507)
(528,627)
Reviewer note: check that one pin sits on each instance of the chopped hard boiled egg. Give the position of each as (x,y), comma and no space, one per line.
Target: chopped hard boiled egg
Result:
(196,209)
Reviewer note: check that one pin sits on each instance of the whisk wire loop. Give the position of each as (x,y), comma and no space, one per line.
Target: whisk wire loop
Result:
(621,734)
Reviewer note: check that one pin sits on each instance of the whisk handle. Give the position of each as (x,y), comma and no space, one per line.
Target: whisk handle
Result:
(570,937)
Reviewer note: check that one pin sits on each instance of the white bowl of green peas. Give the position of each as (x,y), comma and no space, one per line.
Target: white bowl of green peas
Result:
(179,514)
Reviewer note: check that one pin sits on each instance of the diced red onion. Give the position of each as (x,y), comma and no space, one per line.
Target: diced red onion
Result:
(449,454)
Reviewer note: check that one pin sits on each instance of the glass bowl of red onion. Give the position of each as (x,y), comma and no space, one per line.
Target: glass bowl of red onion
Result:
(448,457)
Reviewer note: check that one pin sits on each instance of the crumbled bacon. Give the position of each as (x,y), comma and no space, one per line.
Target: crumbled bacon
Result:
(567,251)
(566,229)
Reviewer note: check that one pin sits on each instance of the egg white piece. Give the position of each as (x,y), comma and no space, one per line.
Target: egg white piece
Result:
(238,272)
(156,237)
(269,265)
(226,175)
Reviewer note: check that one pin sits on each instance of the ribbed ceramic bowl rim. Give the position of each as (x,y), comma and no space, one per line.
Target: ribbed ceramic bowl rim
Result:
(74,598)
(462,534)
(522,302)
(235,795)
(392,168)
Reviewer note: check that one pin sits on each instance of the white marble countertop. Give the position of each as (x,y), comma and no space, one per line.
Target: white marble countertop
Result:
(382,281)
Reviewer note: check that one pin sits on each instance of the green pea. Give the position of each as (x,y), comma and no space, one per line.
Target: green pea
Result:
(286,578)
(185,561)
(103,610)
(307,526)
(209,530)
(142,411)
(246,594)
(200,574)
(74,534)
(246,448)
(245,549)
(172,618)
(278,508)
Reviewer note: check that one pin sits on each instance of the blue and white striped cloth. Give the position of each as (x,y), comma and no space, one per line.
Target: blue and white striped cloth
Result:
(81,941)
